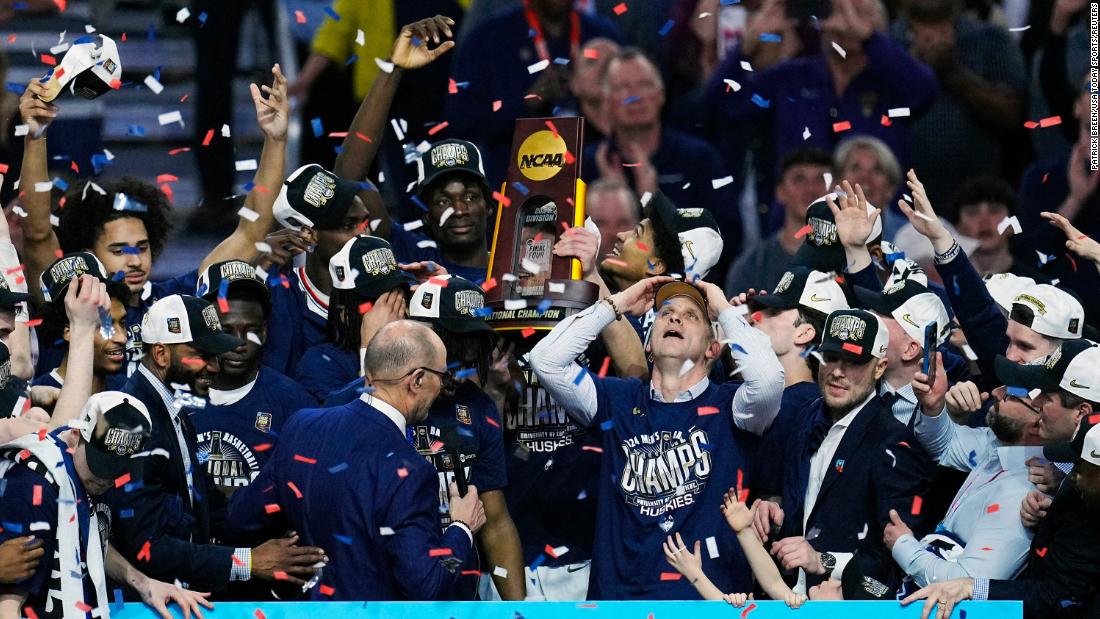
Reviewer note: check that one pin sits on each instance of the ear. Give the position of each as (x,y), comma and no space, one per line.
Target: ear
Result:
(880,368)
(1084,410)
(65,333)
(655,266)
(804,335)
(162,355)
(714,350)
(912,350)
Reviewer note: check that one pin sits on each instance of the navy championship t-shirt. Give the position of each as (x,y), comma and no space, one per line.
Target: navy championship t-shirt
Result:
(299,318)
(411,246)
(237,430)
(665,468)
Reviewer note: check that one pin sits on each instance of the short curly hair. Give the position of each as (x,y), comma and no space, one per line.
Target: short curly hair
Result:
(666,242)
(86,211)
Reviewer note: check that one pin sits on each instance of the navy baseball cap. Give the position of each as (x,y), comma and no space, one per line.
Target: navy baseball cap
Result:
(457,304)
(855,334)
(55,279)
(449,156)
(315,198)
(366,264)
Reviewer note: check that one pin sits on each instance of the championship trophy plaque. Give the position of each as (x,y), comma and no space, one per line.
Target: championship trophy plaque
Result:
(541,198)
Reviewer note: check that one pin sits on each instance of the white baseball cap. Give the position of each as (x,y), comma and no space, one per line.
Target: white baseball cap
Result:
(1049,310)
(90,68)
(805,288)
(903,269)
(1004,287)
(183,319)
(912,305)
(696,229)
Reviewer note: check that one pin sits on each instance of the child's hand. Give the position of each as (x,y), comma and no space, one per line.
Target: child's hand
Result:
(688,563)
(738,515)
(737,600)
(794,600)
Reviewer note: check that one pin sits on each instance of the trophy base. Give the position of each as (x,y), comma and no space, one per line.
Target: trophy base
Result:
(543,313)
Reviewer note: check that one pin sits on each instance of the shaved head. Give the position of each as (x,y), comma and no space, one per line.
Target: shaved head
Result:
(400,347)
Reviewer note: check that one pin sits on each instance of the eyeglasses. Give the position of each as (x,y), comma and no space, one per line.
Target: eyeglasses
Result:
(446,378)
(1001,395)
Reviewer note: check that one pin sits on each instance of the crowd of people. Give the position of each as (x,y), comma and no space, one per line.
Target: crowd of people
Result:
(837,354)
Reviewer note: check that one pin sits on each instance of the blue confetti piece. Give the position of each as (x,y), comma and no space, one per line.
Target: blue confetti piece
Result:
(125,513)
(137,130)
(419,203)
(462,85)
(607,425)
(465,373)
(120,603)
(561,61)
(806,353)
(580,376)
(60,184)
(117,277)
(416,41)
(223,289)
(543,306)
(483,312)
(343,539)
(318,127)
(583,495)
(202,17)
(152,34)
(339,468)
(85,39)
(770,37)
(955,284)
(351,60)
(631,99)
(520,187)
(761,101)
(12,526)
(98,161)
(734,346)
(973,458)
(891,258)
(730,2)
(555,111)
(331,12)
(665,29)
(1018,392)
(338,149)
(15,88)
(134,485)
(538,561)
(368,186)
(248,187)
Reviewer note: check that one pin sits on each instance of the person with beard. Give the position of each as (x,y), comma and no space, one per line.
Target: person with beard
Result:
(109,360)
(981,536)
(1060,578)
(125,223)
(248,402)
(854,463)
(166,522)
(350,478)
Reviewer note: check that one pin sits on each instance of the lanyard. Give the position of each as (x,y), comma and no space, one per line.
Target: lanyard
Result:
(540,39)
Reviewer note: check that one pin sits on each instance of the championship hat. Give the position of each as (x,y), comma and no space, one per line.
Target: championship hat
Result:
(56,278)
(821,248)
(1073,367)
(1084,446)
(457,304)
(313,197)
(449,156)
(1049,310)
(804,288)
(912,305)
(696,230)
(366,264)
(218,279)
(855,334)
(90,68)
(183,319)
(1004,287)
(115,426)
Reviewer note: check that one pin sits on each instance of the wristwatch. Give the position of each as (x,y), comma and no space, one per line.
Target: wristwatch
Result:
(828,563)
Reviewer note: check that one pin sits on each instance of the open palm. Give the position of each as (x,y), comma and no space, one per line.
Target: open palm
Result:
(272,113)
(853,223)
(411,51)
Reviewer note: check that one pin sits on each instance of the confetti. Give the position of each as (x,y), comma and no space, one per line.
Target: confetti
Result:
(1019,28)
(1042,552)
(528,332)
(620,8)
(272,508)
(670,576)
(294,489)
(707,410)
(843,125)
(384,65)
(839,50)
(538,66)
(749,609)
(248,214)
(732,85)
(502,199)
(122,480)
(855,349)
(170,117)
(301,458)
(245,164)
(440,552)
(897,112)
(144,554)
(992,509)
(718,183)
(803,231)
(1009,222)
(917,502)
(806,134)
(152,84)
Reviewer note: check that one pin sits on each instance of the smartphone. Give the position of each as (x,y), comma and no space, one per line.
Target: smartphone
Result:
(805,10)
(928,366)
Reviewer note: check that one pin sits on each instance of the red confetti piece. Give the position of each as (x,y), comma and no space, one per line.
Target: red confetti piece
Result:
(237,561)
(3,168)
(209,136)
(176,151)
(592,53)
(145,554)
(917,502)
(855,349)
(299,17)
(492,422)
(619,9)
(363,137)
(402,472)
(1093,419)
(122,480)
(469,573)
(166,178)
(48,59)
(301,458)
(326,590)
(259,614)
(985,548)
(553,128)
(528,332)
(756,316)
(489,284)
(37,499)
(337,134)
(271,508)
(843,125)
(569,158)
(550,551)
(1031,124)
(604,366)
(1042,552)
(193,361)
(1050,121)
(437,128)
(904,444)
(615,261)
(452,86)
(365,307)
(184,97)
(223,305)
(34,322)
(74,167)
(279,575)
(1045,177)
(496,105)
(294,489)
(437,281)
(82,607)
(1072,262)
(440,552)
(116,84)
(42,434)
(992,509)
(642,246)
(803,231)
(886,122)
(749,609)
(263,447)
(504,200)
(707,410)
(591,448)
(671,576)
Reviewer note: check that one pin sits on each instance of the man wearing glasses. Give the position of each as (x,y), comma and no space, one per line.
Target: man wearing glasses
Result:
(349,479)
(982,535)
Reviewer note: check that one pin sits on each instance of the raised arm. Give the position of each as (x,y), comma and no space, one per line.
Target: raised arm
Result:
(364,138)
(272,114)
(740,519)
(40,244)
(83,300)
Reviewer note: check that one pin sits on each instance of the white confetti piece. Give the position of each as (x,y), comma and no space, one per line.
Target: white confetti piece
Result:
(1043,258)
(969,352)
(252,337)
(43,186)
(360,38)
(1009,222)
(41,525)
(152,84)
(499,571)
(170,117)
(893,458)
(385,531)
(686,367)
(248,214)
(18,210)
(508,277)
(897,112)
(60,48)
(646,197)
(718,183)
(734,86)
(704,14)
(712,547)
(446,215)
(108,154)
(863,533)
(514,304)
(828,176)
(530,266)
(538,66)
(746,66)
(96,188)
(426,243)
(1019,28)
(840,50)
(557,287)
(806,134)
(560,550)
(54,221)
(398,130)
(246,164)
(225,131)
(88,28)
(22,130)
(263,247)
(1034,393)
(182,15)
(385,66)
(413,225)
(374,223)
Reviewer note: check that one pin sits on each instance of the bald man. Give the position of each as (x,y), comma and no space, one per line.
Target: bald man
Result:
(350,473)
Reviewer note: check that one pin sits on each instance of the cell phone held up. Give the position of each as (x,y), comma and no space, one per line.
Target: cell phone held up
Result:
(928,365)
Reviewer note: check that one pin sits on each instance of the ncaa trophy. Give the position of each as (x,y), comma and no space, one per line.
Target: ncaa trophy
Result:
(542,197)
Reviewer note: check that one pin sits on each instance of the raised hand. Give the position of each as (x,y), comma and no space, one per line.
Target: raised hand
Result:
(581,244)
(36,113)
(83,299)
(931,397)
(922,216)
(1076,241)
(964,398)
(411,51)
(896,529)
(637,299)
(738,515)
(688,563)
(272,113)
(715,296)
(853,222)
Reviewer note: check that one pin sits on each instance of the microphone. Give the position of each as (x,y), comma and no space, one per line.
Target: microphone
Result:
(452,446)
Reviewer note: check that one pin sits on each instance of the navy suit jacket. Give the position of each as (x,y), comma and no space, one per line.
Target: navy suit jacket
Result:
(878,466)
(349,482)
(159,511)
